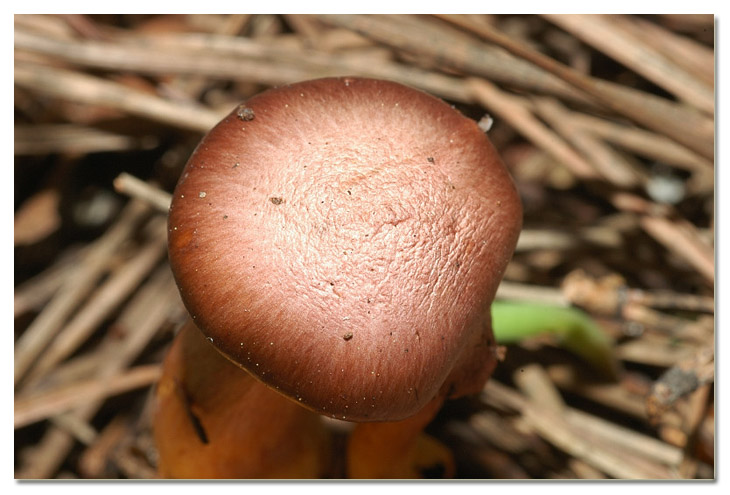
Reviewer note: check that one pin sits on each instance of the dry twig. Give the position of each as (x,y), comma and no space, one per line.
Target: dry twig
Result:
(142,317)
(76,287)
(32,409)
(577,440)
(118,286)
(681,379)
(133,187)
(684,126)
(609,35)
(81,88)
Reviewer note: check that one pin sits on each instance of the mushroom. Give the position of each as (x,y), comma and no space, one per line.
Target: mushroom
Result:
(342,240)
(215,421)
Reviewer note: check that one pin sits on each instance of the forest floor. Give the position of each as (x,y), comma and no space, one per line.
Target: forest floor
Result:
(606,124)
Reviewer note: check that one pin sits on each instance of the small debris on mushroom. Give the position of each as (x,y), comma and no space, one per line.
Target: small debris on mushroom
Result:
(245,113)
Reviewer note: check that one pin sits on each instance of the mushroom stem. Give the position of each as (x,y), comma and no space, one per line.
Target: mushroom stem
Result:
(399,449)
(214,420)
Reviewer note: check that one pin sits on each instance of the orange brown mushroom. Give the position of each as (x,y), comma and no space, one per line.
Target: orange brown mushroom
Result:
(341,240)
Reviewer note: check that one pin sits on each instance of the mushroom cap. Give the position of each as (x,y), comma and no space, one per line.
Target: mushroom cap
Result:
(342,239)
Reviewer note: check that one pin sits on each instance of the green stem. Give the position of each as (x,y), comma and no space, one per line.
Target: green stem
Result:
(575,330)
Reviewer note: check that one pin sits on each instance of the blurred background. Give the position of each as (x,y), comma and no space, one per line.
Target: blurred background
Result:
(605,122)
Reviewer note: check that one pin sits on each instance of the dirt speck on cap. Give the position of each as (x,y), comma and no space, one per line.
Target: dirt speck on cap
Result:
(245,113)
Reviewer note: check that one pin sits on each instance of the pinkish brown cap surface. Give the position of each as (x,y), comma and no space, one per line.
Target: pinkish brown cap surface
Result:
(342,240)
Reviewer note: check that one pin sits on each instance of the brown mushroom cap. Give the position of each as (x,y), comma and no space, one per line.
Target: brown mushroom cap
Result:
(342,240)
